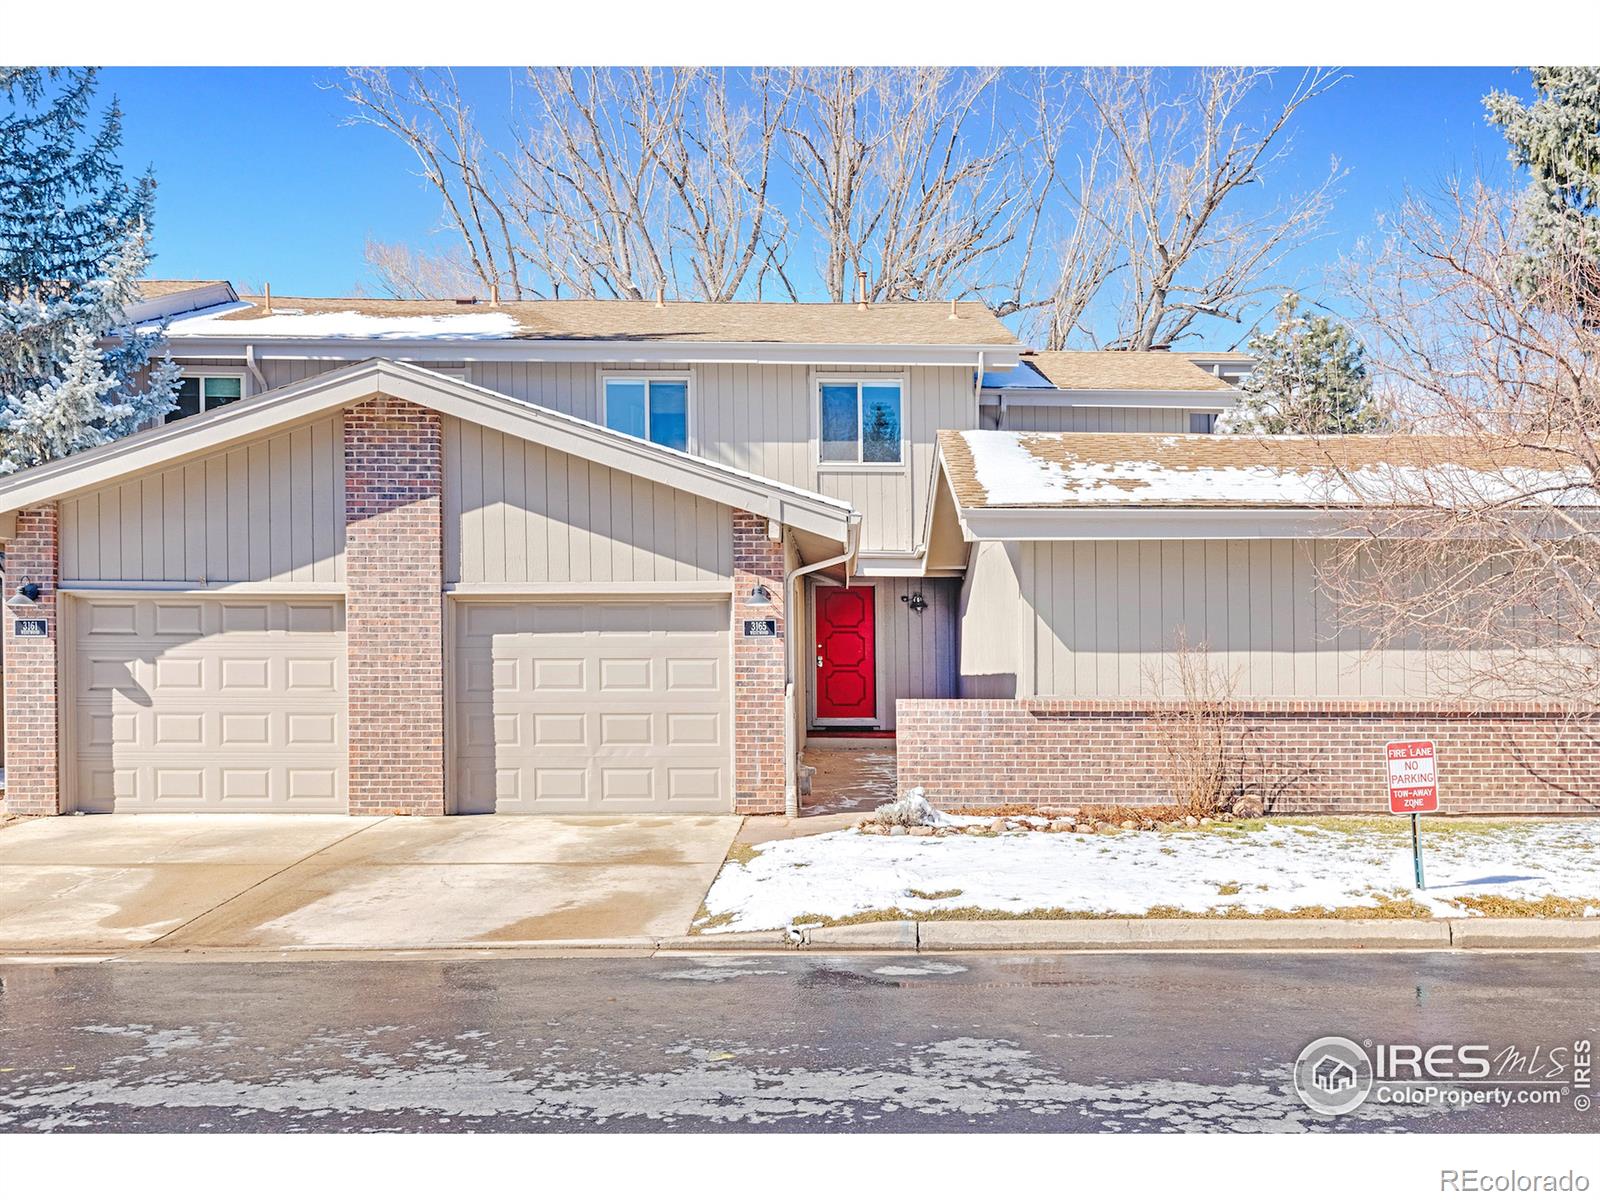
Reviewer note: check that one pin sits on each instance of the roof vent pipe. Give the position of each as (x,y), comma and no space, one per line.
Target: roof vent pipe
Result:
(494,294)
(266,294)
(661,296)
(953,316)
(861,290)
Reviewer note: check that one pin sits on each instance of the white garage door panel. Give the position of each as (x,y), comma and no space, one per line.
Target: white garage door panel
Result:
(593,707)
(202,705)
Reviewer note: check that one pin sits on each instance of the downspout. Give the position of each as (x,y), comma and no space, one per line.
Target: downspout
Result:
(791,772)
(255,371)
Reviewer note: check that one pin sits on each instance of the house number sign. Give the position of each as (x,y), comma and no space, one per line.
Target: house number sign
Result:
(766,627)
(28,627)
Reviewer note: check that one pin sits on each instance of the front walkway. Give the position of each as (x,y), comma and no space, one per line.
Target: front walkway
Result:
(849,780)
(76,885)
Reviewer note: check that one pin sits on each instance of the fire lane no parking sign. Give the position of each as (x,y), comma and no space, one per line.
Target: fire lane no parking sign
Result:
(1413,777)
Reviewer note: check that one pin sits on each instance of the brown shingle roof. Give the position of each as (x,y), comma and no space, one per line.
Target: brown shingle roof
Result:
(155,289)
(999,469)
(1124,370)
(911,324)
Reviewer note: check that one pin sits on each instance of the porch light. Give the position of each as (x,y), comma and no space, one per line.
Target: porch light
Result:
(915,600)
(760,596)
(26,595)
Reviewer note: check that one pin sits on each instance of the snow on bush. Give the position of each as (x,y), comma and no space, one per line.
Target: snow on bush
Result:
(913,809)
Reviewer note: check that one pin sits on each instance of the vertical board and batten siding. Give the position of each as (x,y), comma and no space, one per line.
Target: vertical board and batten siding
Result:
(992,620)
(517,512)
(1056,418)
(916,651)
(270,511)
(1104,620)
(756,418)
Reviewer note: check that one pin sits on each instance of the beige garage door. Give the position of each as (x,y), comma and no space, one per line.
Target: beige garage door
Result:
(572,707)
(189,704)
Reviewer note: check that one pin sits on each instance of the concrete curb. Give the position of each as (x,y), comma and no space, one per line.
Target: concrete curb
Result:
(912,937)
(1512,933)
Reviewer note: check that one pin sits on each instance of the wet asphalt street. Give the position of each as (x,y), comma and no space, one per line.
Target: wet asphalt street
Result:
(786,1042)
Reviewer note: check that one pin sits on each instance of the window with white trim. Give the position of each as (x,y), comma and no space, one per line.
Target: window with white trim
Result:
(203,391)
(859,421)
(654,408)
(1202,422)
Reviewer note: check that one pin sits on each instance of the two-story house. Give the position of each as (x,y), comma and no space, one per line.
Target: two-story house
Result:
(576,556)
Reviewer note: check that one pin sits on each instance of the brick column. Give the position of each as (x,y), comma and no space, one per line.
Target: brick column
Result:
(394,606)
(757,670)
(33,783)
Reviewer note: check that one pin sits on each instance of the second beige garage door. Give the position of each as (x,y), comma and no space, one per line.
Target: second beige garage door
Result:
(573,707)
(193,704)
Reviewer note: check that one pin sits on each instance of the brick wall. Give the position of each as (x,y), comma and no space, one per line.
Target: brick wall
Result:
(32,750)
(394,607)
(1303,756)
(757,670)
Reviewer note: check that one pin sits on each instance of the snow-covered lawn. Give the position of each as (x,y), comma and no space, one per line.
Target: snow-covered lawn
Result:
(1280,865)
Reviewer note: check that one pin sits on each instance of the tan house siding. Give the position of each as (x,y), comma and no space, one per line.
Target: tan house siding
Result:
(916,651)
(756,418)
(990,640)
(1057,418)
(1103,620)
(268,511)
(516,512)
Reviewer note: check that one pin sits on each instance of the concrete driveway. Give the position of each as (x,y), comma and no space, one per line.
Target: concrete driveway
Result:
(90,884)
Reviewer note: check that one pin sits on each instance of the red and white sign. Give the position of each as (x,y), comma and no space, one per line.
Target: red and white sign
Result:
(1413,777)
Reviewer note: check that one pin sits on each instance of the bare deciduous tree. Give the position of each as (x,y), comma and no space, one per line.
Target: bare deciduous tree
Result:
(906,173)
(406,273)
(1489,553)
(1191,242)
(616,183)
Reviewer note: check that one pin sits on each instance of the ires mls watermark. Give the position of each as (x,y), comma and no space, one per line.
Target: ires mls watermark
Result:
(1336,1075)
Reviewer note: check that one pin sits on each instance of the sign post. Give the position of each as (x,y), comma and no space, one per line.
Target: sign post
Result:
(1413,769)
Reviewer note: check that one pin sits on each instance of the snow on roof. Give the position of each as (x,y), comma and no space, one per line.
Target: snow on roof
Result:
(1002,469)
(288,322)
(1023,375)
(909,324)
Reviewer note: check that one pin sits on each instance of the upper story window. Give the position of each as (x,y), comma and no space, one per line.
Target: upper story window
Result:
(200,393)
(860,421)
(1202,422)
(652,407)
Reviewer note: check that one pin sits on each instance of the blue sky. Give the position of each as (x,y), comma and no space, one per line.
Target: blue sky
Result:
(260,178)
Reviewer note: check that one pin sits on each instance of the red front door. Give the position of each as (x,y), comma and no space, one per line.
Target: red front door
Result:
(847,671)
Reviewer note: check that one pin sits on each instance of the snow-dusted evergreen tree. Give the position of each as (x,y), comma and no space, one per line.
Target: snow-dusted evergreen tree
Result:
(73,245)
(1310,377)
(1557,138)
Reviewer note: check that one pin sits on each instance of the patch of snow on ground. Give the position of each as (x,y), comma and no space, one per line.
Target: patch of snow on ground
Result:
(1280,866)
(913,809)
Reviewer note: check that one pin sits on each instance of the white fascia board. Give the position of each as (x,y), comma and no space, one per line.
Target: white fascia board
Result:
(289,405)
(605,352)
(1126,524)
(891,563)
(1208,401)
(209,295)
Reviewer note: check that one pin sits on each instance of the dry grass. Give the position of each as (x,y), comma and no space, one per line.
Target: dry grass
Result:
(947,894)
(1386,907)
(742,853)
(1547,906)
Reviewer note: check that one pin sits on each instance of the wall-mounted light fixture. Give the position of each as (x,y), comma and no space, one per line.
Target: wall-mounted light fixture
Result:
(26,596)
(760,596)
(915,600)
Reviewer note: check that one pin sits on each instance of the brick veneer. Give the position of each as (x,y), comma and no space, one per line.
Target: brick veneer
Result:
(1305,756)
(394,576)
(758,674)
(31,729)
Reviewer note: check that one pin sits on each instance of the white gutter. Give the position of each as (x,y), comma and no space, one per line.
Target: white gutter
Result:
(791,773)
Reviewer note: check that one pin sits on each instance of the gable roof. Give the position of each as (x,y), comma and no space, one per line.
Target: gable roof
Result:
(280,408)
(1124,371)
(996,469)
(893,324)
